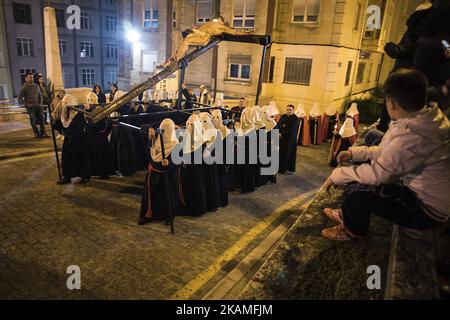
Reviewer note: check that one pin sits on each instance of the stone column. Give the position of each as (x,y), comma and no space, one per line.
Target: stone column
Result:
(52,54)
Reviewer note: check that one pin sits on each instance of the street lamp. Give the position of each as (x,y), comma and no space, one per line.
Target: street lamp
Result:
(133,35)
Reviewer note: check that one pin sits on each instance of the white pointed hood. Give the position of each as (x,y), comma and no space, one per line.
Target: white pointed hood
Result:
(92,98)
(67,115)
(315,111)
(218,123)
(273,109)
(300,111)
(258,117)
(353,110)
(210,132)
(247,123)
(170,141)
(193,135)
(347,130)
(269,122)
(219,100)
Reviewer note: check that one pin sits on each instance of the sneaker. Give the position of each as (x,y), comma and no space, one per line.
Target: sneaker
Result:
(339,233)
(334,214)
(44,135)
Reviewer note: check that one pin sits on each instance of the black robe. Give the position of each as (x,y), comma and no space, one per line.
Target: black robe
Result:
(100,151)
(340,144)
(75,150)
(193,188)
(246,173)
(332,121)
(288,127)
(212,184)
(123,147)
(264,179)
(222,171)
(161,196)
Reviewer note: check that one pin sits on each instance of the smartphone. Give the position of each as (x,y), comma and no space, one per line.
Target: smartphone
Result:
(445,44)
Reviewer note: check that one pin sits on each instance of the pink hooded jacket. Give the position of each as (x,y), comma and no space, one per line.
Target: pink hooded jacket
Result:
(415,150)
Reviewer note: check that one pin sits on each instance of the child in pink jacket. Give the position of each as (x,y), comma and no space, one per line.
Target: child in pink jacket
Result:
(407,179)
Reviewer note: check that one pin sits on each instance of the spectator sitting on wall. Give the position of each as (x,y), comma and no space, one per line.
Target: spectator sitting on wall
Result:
(407,181)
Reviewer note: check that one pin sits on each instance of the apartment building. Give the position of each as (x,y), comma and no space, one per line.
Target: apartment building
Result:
(88,55)
(5,74)
(321,50)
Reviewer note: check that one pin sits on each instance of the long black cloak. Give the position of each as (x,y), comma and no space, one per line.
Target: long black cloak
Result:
(288,126)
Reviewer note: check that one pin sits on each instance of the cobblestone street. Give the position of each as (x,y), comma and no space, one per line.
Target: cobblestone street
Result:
(44,228)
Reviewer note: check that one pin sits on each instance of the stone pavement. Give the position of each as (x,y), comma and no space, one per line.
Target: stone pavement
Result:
(17,139)
(308,266)
(44,228)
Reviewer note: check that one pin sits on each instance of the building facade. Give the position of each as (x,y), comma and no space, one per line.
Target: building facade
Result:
(321,53)
(5,74)
(89,55)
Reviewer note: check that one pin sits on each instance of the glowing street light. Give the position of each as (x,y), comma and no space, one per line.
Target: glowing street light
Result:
(133,35)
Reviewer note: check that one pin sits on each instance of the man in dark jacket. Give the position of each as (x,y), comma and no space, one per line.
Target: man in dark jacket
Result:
(30,95)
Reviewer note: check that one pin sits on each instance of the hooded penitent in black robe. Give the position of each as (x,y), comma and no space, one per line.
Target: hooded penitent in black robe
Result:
(288,126)
(75,150)
(100,151)
(222,171)
(246,173)
(161,195)
(212,184)
(264,179)
(123,147)
(194,188)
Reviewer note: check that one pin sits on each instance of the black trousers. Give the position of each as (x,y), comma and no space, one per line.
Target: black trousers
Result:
(393,202)
(36,114)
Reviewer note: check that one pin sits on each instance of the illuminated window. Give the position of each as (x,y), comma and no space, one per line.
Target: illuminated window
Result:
(306,11)
(244,14)
(239,67)
(298,71)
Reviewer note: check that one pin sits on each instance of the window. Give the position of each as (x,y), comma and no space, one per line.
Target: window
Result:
(271,69)
(66,78)
(111,50)
(357,16)
(88,76)
(87,21)
(369,73)
(204,10)
(60,18)
(360,72)
(111,23)
(244,14)
(239,67)
(111,2)
(2,92)
(298,71)
(306,11)
(22,13)
(63,48)
(25,47)
(23,72)
(174,20)
(111,75)
(86,49)
(150,20)
(349,73)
